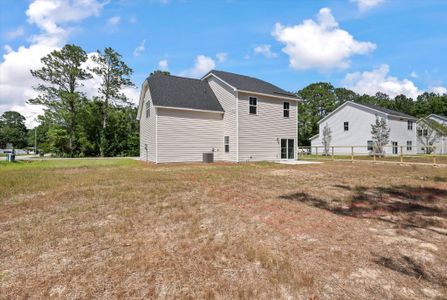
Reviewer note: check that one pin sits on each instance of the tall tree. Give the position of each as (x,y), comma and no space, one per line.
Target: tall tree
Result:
(61,77)
(380,134)
(428,103)
(13,129)
(403,104)
(317,100)
(115,76)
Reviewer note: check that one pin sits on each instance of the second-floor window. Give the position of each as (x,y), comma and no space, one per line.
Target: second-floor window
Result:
(253,105)
(346,126)
(410,125)
(286,110)
(148,109)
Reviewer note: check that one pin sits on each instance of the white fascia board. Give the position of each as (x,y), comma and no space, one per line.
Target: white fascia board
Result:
(270,95)
(189,109)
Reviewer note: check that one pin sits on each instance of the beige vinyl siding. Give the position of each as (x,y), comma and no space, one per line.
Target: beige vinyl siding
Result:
(183,136)
(148,130)
(260,134)
(227,99)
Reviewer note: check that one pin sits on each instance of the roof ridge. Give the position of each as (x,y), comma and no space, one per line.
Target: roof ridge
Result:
(384,109)
(176,76)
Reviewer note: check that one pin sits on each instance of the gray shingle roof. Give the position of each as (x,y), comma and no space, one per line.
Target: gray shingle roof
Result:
(251,84)
(388,111)
(173,91)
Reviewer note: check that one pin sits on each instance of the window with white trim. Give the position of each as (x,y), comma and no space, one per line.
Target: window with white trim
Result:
(346,126)
(148,109)
(227,143)
(409,145)
(286,110)
(370,145)
(253,105)
(410,125)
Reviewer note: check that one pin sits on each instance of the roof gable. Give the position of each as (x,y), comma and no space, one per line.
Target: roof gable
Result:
(182,92)
(440,128)
(250,84)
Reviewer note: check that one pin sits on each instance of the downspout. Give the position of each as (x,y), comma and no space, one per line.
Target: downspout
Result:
(237,125)
(156,134)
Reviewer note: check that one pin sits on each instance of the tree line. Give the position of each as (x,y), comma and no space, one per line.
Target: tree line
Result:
(319,99)
(72,124)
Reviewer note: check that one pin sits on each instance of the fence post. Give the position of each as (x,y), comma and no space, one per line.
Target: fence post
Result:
(352,153)
(316,151)
(434,160)
(401,154)
(333,153)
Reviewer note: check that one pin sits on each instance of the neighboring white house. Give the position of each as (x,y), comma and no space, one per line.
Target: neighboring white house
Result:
(350,125)
(439,125)
(238,118)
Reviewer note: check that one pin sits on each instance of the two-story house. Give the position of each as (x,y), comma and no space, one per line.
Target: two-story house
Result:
(237,118)
(432,132)
(350,125)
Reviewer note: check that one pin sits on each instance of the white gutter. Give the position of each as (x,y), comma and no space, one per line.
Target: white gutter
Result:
(190,109)
(270,95)
(156,135)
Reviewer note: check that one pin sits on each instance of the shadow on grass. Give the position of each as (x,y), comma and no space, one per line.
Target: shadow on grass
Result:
(408,266)
(406,206)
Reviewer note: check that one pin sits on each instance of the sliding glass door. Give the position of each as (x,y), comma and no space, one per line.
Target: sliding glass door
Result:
(287,149)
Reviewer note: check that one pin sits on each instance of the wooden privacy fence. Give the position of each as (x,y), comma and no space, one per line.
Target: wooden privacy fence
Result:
(393,153)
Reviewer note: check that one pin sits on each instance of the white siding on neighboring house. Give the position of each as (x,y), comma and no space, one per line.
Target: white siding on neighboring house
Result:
(227,99)
(399,133)
(183,136)
(148,130)
(359,121)
(260,134)
(441,143)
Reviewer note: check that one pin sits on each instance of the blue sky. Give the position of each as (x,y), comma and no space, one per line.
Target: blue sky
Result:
(366,45)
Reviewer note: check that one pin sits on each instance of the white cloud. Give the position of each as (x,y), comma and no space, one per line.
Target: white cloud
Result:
(163,65)
(364,5)
(221,57)
(133,20)
(113,21)
(414,74)
(438,90)
(202,65)
(140,49)
(53,18)
(320,44)
(265,50)
(18,32)
(379,80)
